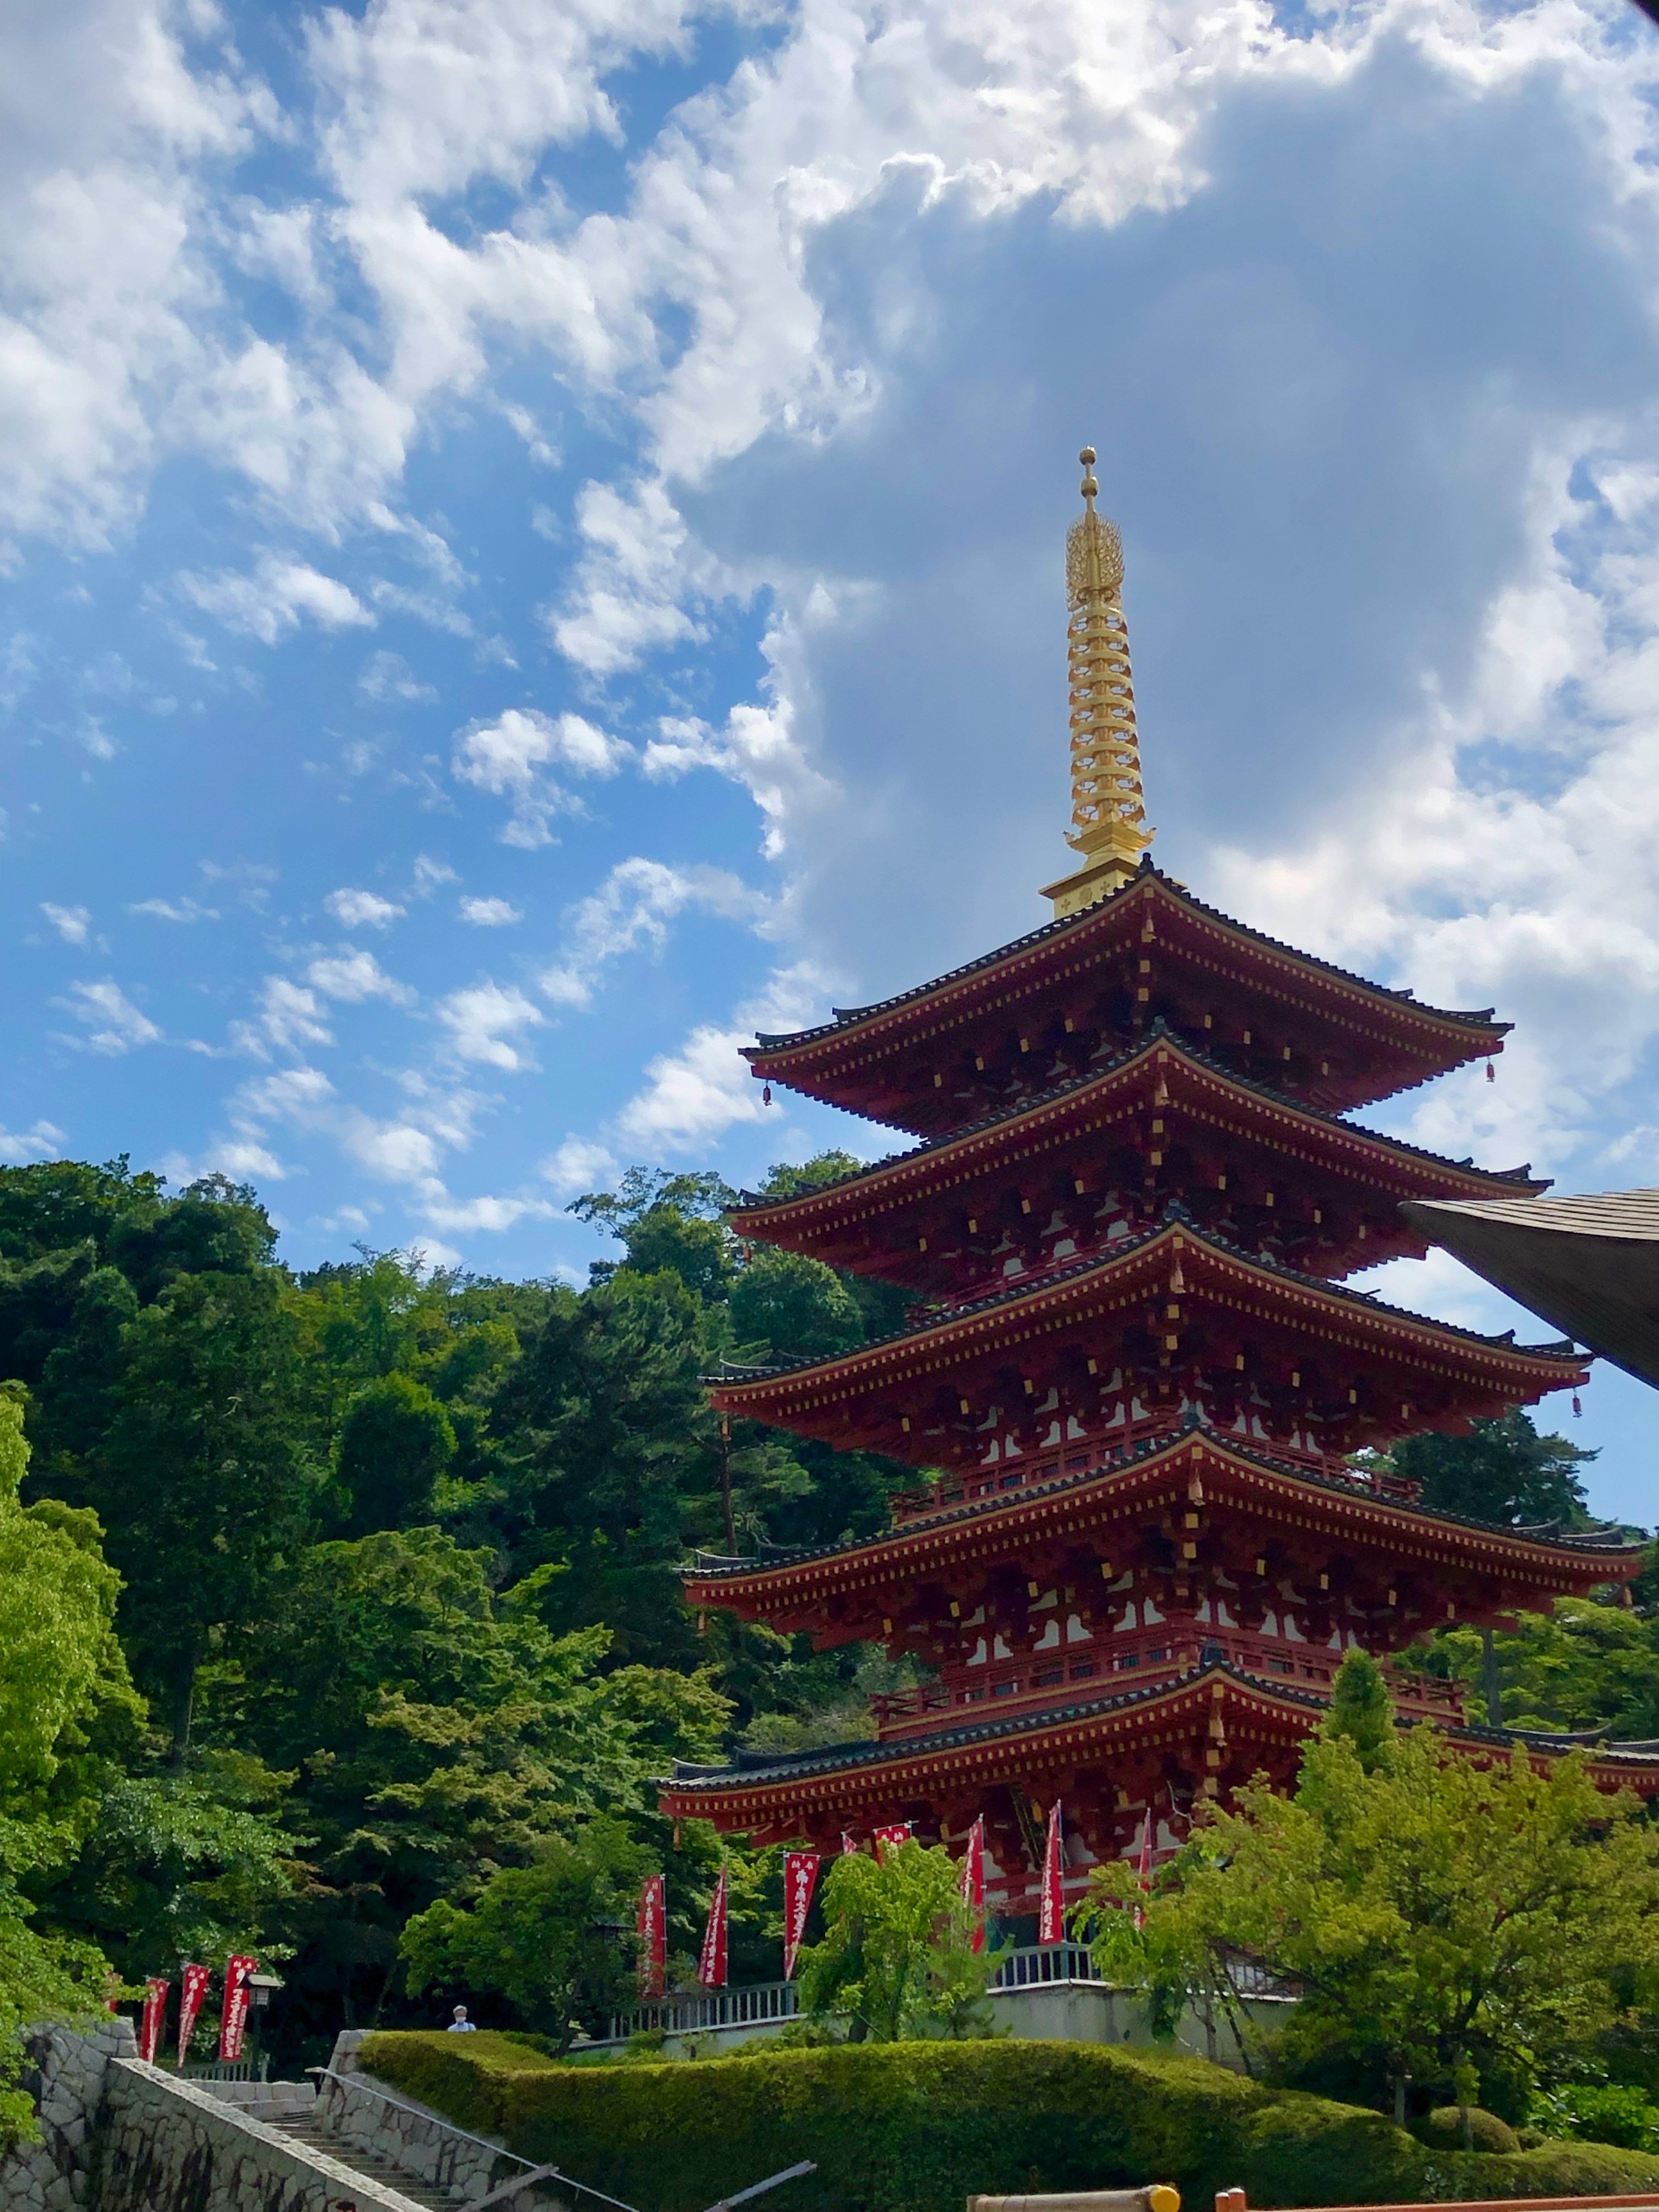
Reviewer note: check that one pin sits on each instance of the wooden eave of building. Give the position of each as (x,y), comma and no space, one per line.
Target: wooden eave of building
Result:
(1097,1302)
(842,1061)
(1072,1122)
(1146,1479)
(842,1781)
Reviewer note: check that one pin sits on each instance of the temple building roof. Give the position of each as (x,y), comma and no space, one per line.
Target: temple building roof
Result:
(1059,1507)
(1411,1369)
(968,1754)
(1591,1264)
(1403,1043)
(1088,1111)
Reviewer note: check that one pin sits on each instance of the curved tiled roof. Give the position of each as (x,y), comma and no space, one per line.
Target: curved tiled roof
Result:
(1159,1034)
(846,1018)
(757,1769)
(1604,1537)
(1174,1215)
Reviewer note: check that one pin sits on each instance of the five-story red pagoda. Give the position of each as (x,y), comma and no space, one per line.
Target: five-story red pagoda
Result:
(1140,1546)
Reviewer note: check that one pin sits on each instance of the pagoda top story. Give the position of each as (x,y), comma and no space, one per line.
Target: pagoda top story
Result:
(1128,945)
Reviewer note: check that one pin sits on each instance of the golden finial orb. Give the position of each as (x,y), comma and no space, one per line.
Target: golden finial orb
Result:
(1090,489)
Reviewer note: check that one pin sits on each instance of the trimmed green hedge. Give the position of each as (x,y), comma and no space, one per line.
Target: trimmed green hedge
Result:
(916,2127)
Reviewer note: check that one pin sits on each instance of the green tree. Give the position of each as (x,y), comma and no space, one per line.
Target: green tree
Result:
(438,1731)
(397,1442)
(1435,1910)
(613,1459)
(668,1222)
(548,1936)
(200,1479)
(786,1305)
(57,1611)
(897,1950)
(1502,1471)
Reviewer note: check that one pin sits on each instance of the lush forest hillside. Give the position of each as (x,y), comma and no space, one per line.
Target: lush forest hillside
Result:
(399,1626)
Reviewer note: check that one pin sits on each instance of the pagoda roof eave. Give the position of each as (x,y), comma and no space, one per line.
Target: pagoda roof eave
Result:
(963,1753)
(711,1581)
(845,1371)
(756,1211)
(1478,1022)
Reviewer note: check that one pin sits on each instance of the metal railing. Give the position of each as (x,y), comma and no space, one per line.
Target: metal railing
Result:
(695,2011)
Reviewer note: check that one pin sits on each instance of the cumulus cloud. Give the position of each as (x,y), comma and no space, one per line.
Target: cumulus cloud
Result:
(577,1165)
(510,757)
(114,1023)
(362,909)
(288,1016)
(72,923)
(483,1020)
(633,908)
(691,1097)
(44,1140)
(275,598)
(352,976)
(489,913)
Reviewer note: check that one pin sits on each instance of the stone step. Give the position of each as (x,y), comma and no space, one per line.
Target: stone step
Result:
(304,2128)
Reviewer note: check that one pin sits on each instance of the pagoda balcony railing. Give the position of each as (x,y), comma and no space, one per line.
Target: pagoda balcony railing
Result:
(1085,1455)
(1031,1680)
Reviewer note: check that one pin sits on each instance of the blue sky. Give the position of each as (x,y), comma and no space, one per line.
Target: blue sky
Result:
(532,540)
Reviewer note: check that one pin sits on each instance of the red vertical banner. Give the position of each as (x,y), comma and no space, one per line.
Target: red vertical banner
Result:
(1051,1909)
(1143,1872)
(153,2018)
(850,1849)
(190,2003)
(891,1837)
(711,1966)
(651,1925)
(972,1881)
(232,2020)
(800,1875)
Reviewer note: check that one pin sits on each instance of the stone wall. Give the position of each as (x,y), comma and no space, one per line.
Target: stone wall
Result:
(166,2146)
(65,2077)
(365,2114)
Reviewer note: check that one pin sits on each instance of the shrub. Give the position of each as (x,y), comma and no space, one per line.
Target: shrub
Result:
(1601,2111)
(915,2127)
(1442,2129)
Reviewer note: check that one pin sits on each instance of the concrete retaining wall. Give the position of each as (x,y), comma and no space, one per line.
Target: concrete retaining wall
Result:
(167,2146)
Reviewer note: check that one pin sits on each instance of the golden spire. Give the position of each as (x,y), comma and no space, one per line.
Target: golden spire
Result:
(1109,819)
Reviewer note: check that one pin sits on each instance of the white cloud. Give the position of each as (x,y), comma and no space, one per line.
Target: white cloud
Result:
(288,1016)
(491,1214)
(362,909)
(43,1141)
(489,913)
(758,749)
(691,1097)
(116,1025)
(273,600)
(387,680)
(481,1021)
(633,908)
(430,875)
(72,923)
(509,756)
(184,909)
(579,1164)
(352,976)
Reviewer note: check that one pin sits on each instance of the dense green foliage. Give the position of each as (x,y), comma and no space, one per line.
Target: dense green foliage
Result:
(910,2127)
(392,1558)
(1449,1921)
(898,1957)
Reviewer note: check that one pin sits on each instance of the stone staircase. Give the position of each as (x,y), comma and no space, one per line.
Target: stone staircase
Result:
(302,2126)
